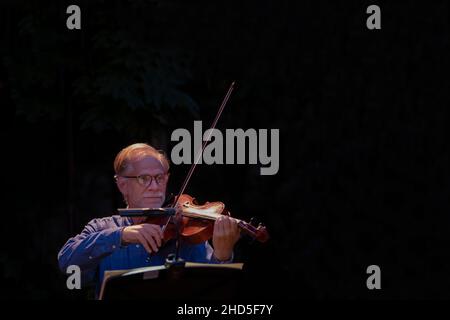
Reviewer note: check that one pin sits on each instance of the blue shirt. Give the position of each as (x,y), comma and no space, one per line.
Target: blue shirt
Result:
(98,248)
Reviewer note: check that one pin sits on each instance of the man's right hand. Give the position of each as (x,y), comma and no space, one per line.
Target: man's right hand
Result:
(149,235)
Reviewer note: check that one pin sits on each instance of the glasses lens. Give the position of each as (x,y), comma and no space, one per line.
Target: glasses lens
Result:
(144,180)
(160,178)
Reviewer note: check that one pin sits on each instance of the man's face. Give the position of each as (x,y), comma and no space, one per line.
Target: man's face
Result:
(137,195)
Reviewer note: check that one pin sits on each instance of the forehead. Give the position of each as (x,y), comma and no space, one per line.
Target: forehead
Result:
(146,165)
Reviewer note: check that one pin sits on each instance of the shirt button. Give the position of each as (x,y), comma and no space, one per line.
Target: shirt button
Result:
(137,246)
(114,246)
(90,257)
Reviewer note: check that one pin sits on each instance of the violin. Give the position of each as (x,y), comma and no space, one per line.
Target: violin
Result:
(194,223)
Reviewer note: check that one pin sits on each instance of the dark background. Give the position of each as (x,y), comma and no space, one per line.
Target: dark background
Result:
(362,115)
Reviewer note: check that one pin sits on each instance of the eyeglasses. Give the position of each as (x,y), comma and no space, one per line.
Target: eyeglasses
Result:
(145,179)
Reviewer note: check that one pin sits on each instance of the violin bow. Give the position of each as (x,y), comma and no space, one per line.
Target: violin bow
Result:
(200,153)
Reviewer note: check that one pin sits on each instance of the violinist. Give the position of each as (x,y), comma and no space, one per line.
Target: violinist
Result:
(117,242)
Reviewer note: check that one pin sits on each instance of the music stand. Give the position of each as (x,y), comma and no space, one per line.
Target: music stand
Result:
(198,281)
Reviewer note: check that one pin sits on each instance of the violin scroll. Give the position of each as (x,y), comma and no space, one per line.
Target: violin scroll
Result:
(258,233)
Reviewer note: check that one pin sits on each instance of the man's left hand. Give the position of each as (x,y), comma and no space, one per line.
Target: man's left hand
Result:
(225,236)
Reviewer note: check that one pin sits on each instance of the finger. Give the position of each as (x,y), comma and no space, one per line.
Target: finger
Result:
(159,230)
(156,233)
(150,240)
(228,225)
(161,233)
(219,227)
(216,226)
(222,226)
(154,227)
(144,243)
(234,225)
(154,230)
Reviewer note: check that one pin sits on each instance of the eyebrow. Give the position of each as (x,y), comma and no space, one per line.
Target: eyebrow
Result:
(148,174)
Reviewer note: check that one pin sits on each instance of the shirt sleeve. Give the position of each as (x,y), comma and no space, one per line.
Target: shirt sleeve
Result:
(204,252)
(97,240)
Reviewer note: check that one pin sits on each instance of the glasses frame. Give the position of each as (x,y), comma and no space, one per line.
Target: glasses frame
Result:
(165,175)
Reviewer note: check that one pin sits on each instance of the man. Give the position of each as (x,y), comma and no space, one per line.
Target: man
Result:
(116,242)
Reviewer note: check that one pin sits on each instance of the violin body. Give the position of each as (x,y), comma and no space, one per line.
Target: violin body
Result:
(197,230)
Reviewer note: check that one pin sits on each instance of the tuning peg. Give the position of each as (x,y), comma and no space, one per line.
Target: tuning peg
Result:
(252,221)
